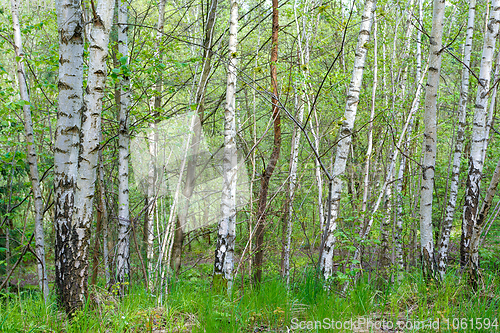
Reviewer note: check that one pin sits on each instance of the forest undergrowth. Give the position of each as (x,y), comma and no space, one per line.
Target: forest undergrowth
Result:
(412,305)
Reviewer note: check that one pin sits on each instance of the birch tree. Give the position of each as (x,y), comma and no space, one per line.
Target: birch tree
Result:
(301,98)
(74,232)
(30,153)
(224,251)
(430,138)
(345,133)
(457,155)
(478,227)
(479,132)
(66,148)
(123,246)
(155,104)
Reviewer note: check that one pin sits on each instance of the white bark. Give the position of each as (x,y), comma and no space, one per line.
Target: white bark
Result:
(479,132)
(319,179)
(491,108)
(343,146)
(153,150)
(457,155)
(294,157)
(90,138)
(369,149)
(123,250)
(151,202)
(481,219)
(385,259)
(31,153)
(430,138)
(66,145)
(300,100)
(224,251)
(107,245)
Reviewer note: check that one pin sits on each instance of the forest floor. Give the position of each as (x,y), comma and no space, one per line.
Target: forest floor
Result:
(376,305)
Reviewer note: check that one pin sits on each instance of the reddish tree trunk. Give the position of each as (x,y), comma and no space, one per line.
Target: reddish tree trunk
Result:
(266,176)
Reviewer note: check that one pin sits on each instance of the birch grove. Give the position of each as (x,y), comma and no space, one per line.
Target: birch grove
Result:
(247,164)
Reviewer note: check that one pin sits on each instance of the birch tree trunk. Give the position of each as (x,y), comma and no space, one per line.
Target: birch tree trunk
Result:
(153,150)
(273,160)
(491,108)
(31,153)
(300,101)
(369,149)
(476,161)
(343,146)
(107,243)
(478,227)
(90,136)
(385,259)
(123,246)
(457,155)
(66,148)
(288,214)
(430,139)
(224,251)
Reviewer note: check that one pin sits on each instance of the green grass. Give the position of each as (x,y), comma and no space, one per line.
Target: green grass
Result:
(192,306)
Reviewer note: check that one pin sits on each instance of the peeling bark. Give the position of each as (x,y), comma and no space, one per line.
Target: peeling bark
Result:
(66,147)
(75,181)
(224,251)
(479,133)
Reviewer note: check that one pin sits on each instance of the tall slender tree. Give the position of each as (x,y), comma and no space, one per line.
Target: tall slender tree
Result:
(345,133)
(430,138)
(275,154)
(224,251)
(152,191)
(478,227)
(459,142)
(66,148)
(479,132)
(31,153)
(123,246)
(73,229)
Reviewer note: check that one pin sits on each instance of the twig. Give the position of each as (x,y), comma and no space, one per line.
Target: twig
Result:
(17,262)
